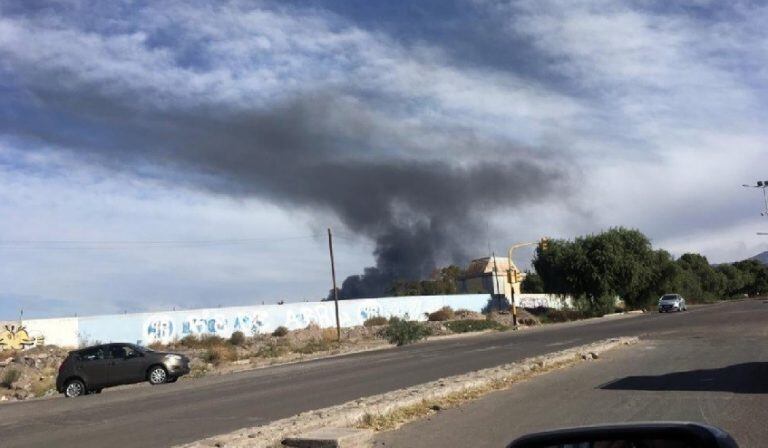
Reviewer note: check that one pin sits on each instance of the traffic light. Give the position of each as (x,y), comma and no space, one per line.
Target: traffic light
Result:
(514,276)
(543,243)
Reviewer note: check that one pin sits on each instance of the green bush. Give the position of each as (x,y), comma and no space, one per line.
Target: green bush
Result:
(375,321)
(443,314)
(237,338)
(10,376)
(469,325)
(280,331)
(402,332)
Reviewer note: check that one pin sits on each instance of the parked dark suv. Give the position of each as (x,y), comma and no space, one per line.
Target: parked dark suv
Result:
(91,369)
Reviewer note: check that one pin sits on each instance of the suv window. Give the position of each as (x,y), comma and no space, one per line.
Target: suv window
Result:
(123,351)
(93,354)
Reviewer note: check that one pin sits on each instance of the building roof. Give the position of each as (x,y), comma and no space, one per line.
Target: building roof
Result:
(484,266)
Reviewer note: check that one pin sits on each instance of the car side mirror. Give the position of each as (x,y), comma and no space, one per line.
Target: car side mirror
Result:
(647,435)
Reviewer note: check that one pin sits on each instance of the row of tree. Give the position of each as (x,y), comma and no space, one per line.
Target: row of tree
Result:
(444,281)
(596,269)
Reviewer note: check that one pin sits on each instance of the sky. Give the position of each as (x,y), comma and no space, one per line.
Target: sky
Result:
(159,155)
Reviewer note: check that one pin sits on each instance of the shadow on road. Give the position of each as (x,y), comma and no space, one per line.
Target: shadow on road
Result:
(746,378)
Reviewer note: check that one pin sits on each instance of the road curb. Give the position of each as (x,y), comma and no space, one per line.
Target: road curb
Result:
(353,413)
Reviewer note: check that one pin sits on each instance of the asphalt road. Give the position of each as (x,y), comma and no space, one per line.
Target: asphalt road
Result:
(190,410)
(715,374)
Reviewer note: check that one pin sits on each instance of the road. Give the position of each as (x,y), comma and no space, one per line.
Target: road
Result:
(710,374)
(190,410)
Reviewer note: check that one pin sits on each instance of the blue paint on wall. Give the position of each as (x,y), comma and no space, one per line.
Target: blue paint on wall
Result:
(146,328)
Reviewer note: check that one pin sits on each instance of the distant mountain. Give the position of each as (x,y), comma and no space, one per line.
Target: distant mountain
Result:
(762,257)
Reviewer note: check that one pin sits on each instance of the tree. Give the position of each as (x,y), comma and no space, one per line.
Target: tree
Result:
(598,268)
(444,281)
(755,276)
(700,281)
(532,284)
(735,279)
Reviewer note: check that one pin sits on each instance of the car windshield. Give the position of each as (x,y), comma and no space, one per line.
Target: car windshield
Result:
(669,297)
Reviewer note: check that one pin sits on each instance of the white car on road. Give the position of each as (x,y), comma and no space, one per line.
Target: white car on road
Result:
(672,302)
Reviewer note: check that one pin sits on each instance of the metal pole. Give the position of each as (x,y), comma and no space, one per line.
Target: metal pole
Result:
(765,199)
(512,275)
(335,290)
(496,275)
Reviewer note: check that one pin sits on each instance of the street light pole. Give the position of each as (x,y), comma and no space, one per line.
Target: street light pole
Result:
(763,185)
(512,276)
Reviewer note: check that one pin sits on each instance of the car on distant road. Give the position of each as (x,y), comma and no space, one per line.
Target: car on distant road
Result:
(672,302)
(91,369)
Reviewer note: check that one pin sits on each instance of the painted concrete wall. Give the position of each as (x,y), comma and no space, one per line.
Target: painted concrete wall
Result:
(145,328)
(60,331)
(164,327)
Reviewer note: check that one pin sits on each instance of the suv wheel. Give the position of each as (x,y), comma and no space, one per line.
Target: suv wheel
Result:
(157,375)
(74,388)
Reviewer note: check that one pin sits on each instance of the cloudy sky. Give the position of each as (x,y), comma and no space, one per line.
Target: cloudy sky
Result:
(185,154)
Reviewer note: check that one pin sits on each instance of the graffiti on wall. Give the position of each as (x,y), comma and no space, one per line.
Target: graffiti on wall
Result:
(542,301)
(165,327)
(162,328)
(14,337)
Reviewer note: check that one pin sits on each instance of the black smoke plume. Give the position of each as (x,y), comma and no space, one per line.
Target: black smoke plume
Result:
(421,193)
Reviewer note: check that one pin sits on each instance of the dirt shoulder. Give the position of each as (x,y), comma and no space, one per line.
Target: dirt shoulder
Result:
(31,374)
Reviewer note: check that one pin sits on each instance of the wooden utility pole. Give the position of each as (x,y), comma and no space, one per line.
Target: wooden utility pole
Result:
(335,290)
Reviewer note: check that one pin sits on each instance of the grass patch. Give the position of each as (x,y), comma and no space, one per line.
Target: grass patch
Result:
(551,315)
(203,341)
(218,354)
(199,371)
(375,321)
(41,387)
(392,420)
(330,335)
(443,314)
(10,376)
(470,325)
(316,345)
(272,349)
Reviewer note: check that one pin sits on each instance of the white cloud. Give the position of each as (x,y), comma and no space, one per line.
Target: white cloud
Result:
(679,122)
(64,201)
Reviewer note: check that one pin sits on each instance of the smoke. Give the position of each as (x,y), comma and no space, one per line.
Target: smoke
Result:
(419,192)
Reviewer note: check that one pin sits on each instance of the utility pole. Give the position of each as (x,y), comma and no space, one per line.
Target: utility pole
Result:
(335,291)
